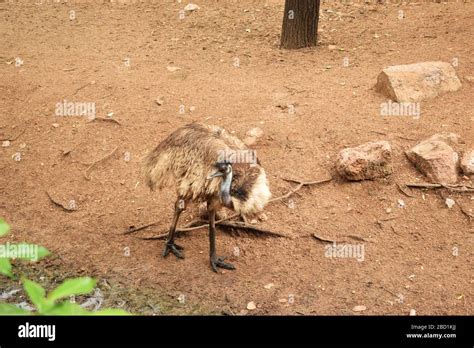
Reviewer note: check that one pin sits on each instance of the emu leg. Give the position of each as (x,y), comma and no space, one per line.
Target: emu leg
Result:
(170,245)
(215,261)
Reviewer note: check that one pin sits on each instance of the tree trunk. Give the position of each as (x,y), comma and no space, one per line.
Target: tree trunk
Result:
(300,24)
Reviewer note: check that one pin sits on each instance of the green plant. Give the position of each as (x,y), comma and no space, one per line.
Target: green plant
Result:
(47,304)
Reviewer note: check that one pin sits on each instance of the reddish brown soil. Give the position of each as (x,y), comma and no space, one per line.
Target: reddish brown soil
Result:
(411,255)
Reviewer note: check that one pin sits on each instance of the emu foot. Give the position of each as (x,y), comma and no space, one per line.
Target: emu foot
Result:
(174,249)
(219,262)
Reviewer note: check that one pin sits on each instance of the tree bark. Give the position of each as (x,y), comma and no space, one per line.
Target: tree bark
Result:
(300,24)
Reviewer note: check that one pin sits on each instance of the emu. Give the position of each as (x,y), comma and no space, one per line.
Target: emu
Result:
(207,164)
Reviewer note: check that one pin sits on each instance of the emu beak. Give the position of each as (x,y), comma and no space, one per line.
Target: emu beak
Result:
(214,175)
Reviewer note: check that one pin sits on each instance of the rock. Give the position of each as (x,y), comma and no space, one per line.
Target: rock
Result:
(173,68)
(450,203)
(416,82)
(255,132)
(332,47)
(6,143)
(401,203)
(253,135)
(159,101)
(191,8)
(263,217)
(269,286)
(251,306)
(359,308)
(435,159)
(467,162)
(412,312)
(55,125)
(367,161)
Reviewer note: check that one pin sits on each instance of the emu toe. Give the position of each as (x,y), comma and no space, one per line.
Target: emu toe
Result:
(219,262)
(174,249)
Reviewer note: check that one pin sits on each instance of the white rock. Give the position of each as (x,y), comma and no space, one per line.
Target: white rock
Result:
(255,132)
(191,7)
(269,286)
(173,68)
(359,308)
(450,203)
(412,312)
(6,143)
(467,162)
(251,306)
(401,203)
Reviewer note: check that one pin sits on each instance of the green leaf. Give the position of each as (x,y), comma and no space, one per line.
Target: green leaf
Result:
(9,309)
(5,267)
(66,308)
(26,251)
(4,228)
(111,311)
(76,286)
(36,293)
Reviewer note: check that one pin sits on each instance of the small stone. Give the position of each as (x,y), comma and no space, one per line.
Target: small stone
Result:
(192,108)
(401,203)
(244,312)
(412,312)
(253,221)
(282,300)
(251,306)
(191,7)
(159,101)
(255,132)
(332,47)
(359,308)
(263,217)
(55,125)
(173,68)
(467,162)
(269,286)
(6,143)
(388,210)
(450,203)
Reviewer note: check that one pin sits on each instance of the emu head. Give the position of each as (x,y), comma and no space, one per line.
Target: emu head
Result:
(224,169)
(244,186)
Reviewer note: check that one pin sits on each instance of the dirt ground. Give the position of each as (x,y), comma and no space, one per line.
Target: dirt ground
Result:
(233,74)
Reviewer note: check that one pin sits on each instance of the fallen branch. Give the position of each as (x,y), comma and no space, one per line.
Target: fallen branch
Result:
(105,119)
(457,188)
(59,204)
(86,173)
(191,226)
(322,239)
(402,190)
(16,136)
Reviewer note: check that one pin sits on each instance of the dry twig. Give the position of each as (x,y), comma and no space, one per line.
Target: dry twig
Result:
(59,204)
(239,225)
(86,173)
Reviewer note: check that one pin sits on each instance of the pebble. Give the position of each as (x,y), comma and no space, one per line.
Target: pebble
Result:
(251,306)
(359,308)
(450,202)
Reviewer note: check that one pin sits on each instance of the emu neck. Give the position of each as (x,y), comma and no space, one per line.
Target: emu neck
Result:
(225,189)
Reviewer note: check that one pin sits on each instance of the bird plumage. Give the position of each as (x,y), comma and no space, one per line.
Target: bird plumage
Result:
(188,156)
(207,163)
